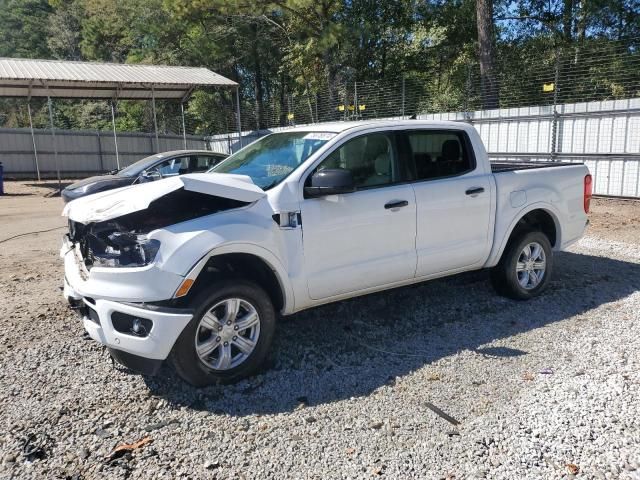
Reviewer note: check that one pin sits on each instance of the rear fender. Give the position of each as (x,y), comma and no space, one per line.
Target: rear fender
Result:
(499,246)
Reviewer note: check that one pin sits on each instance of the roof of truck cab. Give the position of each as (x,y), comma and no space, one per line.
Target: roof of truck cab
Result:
(338,127)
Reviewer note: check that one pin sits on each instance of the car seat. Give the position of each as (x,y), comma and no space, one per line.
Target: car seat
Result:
(376,168)
(425,166)
(449,161)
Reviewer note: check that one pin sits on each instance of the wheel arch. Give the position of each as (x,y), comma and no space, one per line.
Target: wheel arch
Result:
(541,217)
(248,262)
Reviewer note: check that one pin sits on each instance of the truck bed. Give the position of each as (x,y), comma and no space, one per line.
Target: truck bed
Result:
(499,167)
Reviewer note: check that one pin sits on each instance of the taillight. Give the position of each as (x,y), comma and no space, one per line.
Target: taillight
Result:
(588,192)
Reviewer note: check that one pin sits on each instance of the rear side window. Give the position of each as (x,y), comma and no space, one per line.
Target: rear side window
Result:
(202,163)
(438,154)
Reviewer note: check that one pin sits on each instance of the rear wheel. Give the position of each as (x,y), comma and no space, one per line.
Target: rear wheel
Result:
(525,267)
(228,337)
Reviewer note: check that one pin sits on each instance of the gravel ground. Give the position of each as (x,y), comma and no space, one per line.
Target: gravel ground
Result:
(544,389)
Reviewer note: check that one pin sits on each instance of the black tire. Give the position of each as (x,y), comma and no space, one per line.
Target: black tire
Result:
(184,357)
(504,277)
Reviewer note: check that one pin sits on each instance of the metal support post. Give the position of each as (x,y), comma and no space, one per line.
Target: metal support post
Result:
(115,136)
(155,118)
(55,147)
(238,120)
(184,130)
(33,140)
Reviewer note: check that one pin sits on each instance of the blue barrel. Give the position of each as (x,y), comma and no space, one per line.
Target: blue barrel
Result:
(1,180)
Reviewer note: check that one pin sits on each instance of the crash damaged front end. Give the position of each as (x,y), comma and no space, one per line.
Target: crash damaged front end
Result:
(115,257)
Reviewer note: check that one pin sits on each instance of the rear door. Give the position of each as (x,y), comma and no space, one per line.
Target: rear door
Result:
(366,238)
(453,198)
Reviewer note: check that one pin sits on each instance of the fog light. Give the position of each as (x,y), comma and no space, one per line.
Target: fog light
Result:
(131,325)
(138,328)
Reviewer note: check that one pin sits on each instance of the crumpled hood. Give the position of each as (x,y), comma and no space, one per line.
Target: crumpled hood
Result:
(122,201)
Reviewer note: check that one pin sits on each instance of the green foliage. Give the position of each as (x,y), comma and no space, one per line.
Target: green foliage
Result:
(23,28)
(304,57)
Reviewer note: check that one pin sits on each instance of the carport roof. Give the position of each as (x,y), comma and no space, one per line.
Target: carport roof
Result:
(65,79)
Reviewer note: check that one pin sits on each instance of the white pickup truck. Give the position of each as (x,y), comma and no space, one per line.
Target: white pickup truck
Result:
(195,268)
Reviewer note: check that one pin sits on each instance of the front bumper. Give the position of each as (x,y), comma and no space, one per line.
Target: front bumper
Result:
(144,284)
(110,322)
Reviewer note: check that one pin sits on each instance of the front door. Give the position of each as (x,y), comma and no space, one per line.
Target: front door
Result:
(366,238)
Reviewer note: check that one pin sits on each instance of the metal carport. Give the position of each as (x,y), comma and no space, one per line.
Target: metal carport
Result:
(29,78)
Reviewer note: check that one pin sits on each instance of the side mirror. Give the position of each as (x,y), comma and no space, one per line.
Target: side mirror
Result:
(330,181)
(150,175)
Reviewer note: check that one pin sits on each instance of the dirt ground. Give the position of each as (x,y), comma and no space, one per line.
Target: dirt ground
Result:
(617,219)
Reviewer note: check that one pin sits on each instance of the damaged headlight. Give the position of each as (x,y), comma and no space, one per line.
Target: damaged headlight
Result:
(126,249)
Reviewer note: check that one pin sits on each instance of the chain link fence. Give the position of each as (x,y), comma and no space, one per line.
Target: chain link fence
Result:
(576,102)
(532,76)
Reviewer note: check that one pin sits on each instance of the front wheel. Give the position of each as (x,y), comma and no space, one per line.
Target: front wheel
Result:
(525,267)
(228,337)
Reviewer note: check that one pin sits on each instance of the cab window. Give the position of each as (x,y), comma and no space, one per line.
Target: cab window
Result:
(438,154)
(172,166)
(371,159)
(202,163)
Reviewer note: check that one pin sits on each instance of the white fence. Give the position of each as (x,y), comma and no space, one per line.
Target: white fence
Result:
(604,135)
(80,153)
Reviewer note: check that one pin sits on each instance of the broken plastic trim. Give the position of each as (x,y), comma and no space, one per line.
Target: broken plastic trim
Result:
(123,241)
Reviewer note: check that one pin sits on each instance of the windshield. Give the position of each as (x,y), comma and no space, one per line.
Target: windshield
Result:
(269,160)
(135,169)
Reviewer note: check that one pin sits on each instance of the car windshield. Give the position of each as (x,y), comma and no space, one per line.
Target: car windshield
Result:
(135,169)
(269,160)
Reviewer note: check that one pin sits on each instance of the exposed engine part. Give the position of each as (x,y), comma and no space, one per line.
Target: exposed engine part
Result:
(123,241)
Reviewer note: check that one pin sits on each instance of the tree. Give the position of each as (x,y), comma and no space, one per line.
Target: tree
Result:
(486,56)
(23,28)
(63,30)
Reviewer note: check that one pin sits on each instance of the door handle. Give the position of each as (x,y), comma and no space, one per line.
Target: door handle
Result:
(397,204)
(474,191)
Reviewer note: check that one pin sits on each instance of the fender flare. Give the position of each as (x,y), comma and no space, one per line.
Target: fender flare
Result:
(497,251)
(251,249)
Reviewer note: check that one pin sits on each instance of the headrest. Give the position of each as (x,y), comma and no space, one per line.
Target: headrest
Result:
(376,144)
(451,150)
(383,164)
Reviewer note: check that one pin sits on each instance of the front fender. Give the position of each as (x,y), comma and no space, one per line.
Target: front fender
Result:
(187,247)
(264,254)
(184,244)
